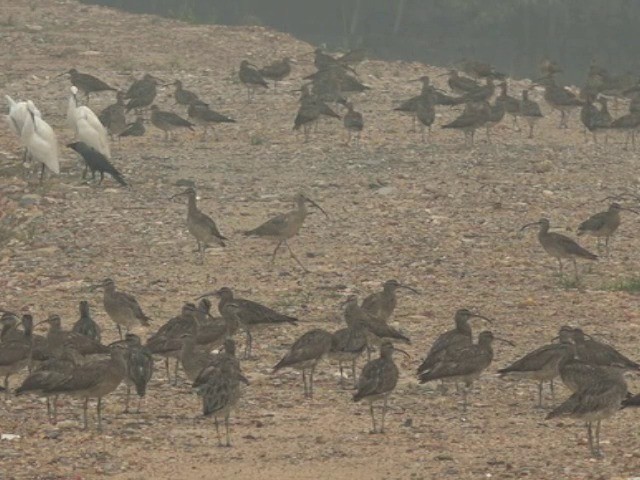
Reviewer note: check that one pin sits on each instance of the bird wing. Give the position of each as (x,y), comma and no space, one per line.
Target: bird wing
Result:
(593,223)
(209,224)
(133,305)
(310,346)
(538,359)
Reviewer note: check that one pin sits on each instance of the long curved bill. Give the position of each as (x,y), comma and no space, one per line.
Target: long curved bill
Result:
(317,206)
(504,340)
(529,225)
(487,319)
(399,350)
(407,287)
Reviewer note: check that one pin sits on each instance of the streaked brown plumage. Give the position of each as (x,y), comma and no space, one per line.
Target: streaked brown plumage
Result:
(560,246)
(185,97)
(560,99)
(141,93)
(58,339)
(86,325)
(382,304)
(600,354)
(113,117)
(87,83)
(200,225)
(461,85)
(285,226)
(603,224)
(277,71)
(543,363)
(202,115)
(378,379)
(168,121)
(251,78)
(530,111)
(463,364)
(250,315)
(121,307)
(511,105)
(346,346)
(598,398)
(305,354)
(354,123)
(474,116)
(139,368)
(94,380)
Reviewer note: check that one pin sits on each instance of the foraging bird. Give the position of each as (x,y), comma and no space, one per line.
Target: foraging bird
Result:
(201,226)
(382,304)
(40,141)
(113,117)
(86,325)
(304,355)
(276,71)
(543,363)
(603,224)
(597,399)
(135,129)
(285,226)
(96,162)
(459,338)
(86,125)
(251,78)
(463,364)
(185,97)
(87,83)
(94,379)
(168,121)
(530,111)
(202,115)
(139,368)
(251,315)
(354,123)
(560,246)
(121,307)
(378,379)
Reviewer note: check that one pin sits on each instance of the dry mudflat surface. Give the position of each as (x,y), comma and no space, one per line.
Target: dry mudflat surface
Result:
(440,216)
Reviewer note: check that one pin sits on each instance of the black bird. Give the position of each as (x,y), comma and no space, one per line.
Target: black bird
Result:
(142,93)
(95,161)
(135,129)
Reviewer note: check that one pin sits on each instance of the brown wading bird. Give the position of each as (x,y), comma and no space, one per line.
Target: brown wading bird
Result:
(202,115)
(185,97)
(560,99)
(382,304)
(87,83)
(277,71)
(347,345)
(530,111)
(139,366)
(94,380)
(378,379)
(201,226)
(305,354)
(511,105)
(474,116)
(560,246)
(464,364)
(251,78)
(354,123)
(121,307)
(542,364)
(603,224)
(285,226)
(250,315)
(459,338)
(599,396)
(168,121)
(141,93)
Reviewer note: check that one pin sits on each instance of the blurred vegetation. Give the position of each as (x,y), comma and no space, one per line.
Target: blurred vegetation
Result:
(512,34)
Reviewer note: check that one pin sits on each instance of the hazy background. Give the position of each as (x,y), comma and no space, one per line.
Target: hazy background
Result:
(513,35)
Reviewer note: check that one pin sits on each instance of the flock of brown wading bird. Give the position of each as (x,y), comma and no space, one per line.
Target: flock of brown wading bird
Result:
(76,363)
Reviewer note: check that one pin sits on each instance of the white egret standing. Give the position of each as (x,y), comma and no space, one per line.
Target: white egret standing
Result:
(86,125)
(41,142)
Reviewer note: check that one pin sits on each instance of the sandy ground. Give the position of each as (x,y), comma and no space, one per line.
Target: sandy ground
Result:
(441,217)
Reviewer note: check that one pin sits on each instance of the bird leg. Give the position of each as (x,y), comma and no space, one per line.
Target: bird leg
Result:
(590,437)
(99,410)
(226,424)
(464,398)
(55,409)
(311,382)
(248,348)
(6,386)
(598,452)
(215,418)
(575,268)
(139,402)
(119,330)
(295,258)
(516,127)
(84,411)
(42,172)
(341,374)
(540,394)
(273,255)
(373,418)
(166,365)
(531,129)
(353,372)
(304,382)
(553,393)
(384,411)
(560,264)
(175,373)
(126,402)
